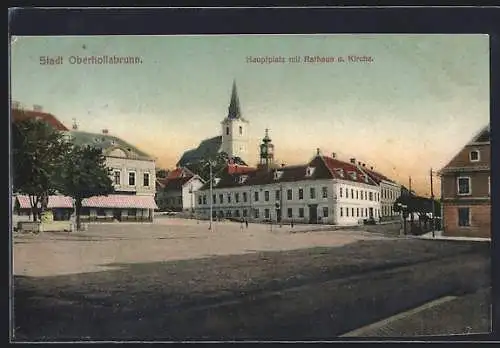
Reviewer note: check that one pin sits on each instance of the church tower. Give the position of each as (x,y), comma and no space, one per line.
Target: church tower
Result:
(235,129)
(266,152)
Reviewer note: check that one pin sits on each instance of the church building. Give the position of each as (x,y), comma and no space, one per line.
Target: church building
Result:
(233,139)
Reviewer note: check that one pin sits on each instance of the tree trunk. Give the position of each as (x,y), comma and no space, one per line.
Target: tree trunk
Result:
(78,207)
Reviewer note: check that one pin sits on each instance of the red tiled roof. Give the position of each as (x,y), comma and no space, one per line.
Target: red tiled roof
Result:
(180,172)
(377,177)
(120,201)
(176,183)
(21,115)
(238,169)
(338,167)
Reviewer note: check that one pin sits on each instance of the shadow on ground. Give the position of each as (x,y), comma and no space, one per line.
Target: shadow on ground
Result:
(315,293)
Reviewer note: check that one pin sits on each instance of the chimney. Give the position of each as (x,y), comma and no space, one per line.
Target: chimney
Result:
(282,165)
(353,160)
(371,168)
(105,131)
(317,151)
(334,155)
(359,163)
(364,165)
(37,108)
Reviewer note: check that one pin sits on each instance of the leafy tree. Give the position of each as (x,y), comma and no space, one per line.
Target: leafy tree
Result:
(202,167)
(161,173)
(85,175)
(38,152)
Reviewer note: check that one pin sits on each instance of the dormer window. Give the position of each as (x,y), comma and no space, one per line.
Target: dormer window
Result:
(474,156)
(242,179)
(278,174)
(340,172)
(366,178)
(309,171)
(353,175)
(216,181)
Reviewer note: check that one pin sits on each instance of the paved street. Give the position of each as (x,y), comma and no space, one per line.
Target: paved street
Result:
(315,293)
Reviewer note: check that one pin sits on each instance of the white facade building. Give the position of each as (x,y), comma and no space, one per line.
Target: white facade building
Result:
(177,191)
(325,190)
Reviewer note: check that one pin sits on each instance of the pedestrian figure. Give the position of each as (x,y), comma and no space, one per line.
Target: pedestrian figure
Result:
(241,224)
(291,223)
(246,223)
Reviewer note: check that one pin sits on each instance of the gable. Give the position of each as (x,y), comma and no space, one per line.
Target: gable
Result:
(462,158)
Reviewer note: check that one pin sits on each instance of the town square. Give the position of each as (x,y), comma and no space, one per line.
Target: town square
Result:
(213,198)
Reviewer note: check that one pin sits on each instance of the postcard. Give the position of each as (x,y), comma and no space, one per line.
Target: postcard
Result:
(250,187)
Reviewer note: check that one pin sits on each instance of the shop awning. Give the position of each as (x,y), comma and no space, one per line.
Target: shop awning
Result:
(54,202)
(120,201)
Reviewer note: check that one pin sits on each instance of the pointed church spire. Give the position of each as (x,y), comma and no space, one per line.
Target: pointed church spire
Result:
(234,106)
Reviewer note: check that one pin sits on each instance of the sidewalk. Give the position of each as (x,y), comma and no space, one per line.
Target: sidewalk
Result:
(469,314)
(439,235)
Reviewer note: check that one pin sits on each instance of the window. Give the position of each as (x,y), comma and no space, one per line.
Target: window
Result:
(474,156)
(132,212)
(237,197)
(244,213)
(352,193)
(340,192)
(346,193)
(366,211)
(362,212)
(204,199)
(256,196)
(357,194)
(352,212)
(301,193)
(277,195)
(341,211)
(117,177)
(145,180)
(463,186)
(289,194)
(346,211)
(199,200)
(371,196)
(237,213)
(301,212)
(221,198)
(312,192)
(244,196)
(214,200)
(229,197)
(266,213)
(325,211)
(227,130)
(325,192)
(357,212)
(266,196)
(131,178)
(241,130)
(256,213)
(290,212)
(463,217)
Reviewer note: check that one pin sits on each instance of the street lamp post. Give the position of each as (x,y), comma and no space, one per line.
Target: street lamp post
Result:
(433,208)
(210,163)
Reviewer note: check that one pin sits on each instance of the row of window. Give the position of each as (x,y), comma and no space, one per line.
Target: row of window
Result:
(359,212)
(266,213)
(202,199)
(464,185)
(131,178)
(359,194)
(389,194)
(387,211)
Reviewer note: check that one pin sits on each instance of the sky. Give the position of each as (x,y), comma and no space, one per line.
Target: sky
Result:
(418,101)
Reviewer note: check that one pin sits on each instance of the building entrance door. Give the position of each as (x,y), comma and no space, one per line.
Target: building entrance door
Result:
(313,214)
